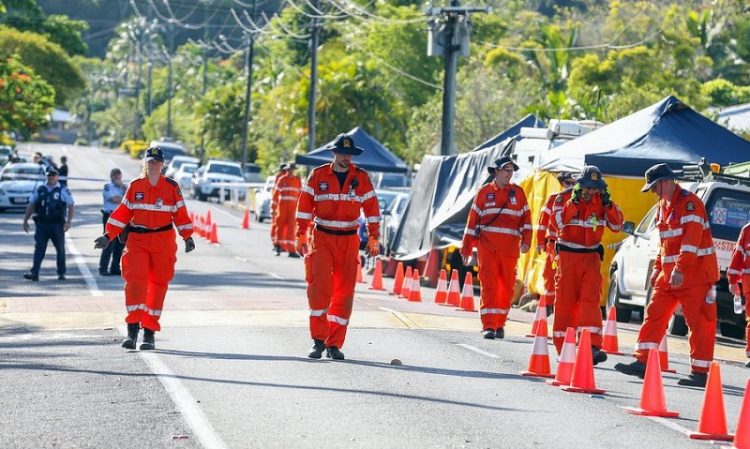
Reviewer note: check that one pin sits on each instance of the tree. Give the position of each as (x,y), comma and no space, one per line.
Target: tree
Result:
(26,15)
(25,98)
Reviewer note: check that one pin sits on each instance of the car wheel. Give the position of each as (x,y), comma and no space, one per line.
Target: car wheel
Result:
(678,326)
(202,197)
(732,330)
(260,219)
(623,314)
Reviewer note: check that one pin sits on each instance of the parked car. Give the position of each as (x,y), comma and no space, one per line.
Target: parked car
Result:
(392,216)
(386,199)
(391,180)
(206,178)
(23,170)
(6,152)
(169,147)
(263,200)
(253,173)
(184,175)
(177,162)
(18,182)
(727,201)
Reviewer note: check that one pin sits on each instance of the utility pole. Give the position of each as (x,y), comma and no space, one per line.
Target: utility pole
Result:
(314,38)
(139,57)
(448,37)
(170,38)
(204,88)
(250,54)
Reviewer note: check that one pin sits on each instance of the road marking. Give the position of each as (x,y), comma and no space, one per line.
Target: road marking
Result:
(479,351)
(670,424)
(184,401)
(82,267)
(401,317)
(274,275)
(226,213)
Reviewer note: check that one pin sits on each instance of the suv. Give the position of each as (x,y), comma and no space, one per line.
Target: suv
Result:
(169,147)
(176,162)
(727,200)
(206,178)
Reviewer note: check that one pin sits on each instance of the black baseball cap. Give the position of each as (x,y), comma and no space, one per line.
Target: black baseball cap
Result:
(656,174)
(344,144)
(154,154)
(500,163)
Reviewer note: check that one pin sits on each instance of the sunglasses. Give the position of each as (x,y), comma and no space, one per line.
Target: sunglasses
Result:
(51,174)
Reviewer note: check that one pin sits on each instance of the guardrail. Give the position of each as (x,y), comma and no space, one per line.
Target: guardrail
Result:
(234,192)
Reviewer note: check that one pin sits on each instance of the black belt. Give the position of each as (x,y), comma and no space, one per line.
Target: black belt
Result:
(599,250)
(139,230)
(334,231)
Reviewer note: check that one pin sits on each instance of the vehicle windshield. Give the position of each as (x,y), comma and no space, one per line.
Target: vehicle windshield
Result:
(385,199)
(401,207)
(189,168)
(177,163)
(23,170)
(728,211)
(225,169)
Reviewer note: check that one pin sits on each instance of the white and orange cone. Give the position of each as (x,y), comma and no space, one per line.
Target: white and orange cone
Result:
(664,356)
(467,295)
(610,344)
(567,359)
(441,295)
(541,315)
(539,360)
(406,286)
(454,293)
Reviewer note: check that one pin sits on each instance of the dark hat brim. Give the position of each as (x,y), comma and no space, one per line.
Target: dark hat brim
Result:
(590,184)
(354,151)
(491,169)
(646,187)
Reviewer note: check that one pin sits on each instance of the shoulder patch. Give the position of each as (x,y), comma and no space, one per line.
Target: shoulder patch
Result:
(559,199)
(106,187)
(690,206)
(171,181)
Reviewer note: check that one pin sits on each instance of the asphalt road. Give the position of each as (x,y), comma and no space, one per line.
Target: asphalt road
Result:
(231,367)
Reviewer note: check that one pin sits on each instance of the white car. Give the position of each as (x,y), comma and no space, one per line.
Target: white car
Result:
(263,200)
(17,184)
(177,162)
(23,171)
(207,178)
(184,175)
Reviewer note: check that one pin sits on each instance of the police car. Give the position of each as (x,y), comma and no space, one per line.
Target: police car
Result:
(727,200)
(18,182)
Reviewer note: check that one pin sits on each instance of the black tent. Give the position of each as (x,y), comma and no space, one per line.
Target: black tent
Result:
(375,156)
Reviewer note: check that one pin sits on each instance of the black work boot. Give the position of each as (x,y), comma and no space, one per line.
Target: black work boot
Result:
(277,250)
(636,368)
(148,340)
(694,380)
(31,276)
(598,355)
(747,365)
(317,349)
(500,333)
(129,342)
(332,352)
(489,334)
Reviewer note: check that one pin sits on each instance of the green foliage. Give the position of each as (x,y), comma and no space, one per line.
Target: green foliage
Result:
(26,15)
(25,98)
(725,93)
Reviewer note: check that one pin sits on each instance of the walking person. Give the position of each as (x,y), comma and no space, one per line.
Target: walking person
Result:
(274,210)
(285,198)
(63,170)
(112,194)
(332,199)
(53,207)
(499,225)
(738,274)
(684,272)
(153,206)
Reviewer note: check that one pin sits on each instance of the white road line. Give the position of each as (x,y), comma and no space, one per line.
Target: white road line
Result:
(82,267)
(401,317)
(670,424)
(479,351)
(274,275)
(226,213)
(184,401)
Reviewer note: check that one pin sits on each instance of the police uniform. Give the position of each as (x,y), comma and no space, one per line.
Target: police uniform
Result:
(113,251)
(50,212)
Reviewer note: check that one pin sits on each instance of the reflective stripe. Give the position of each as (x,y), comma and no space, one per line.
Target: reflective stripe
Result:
(368,195)
(541,228)
(646,346)
(592,329)
(339,197)
(476,209)
(558,219)
(500,311)
(288,189)
(576,245)
(586,224)
(304,216)
(288,198)
(335,224)
(614,227)
(689,249)
(558,334)
(185,226)
(117,223)
(375,219)
(670,233)
(733,271)
(180,204)
(740,250)
(700,363)
(338,319)
(545,210)
(496,210)
(318,312)
(497,230)
(526,227)
(308,189)
(153,207)
(143,307)
(470,232)
(693,218)
(669,259)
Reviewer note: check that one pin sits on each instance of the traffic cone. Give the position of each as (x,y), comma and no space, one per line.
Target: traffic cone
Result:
(467,295)
(610,344)
(653,402)
(713,422)
(398,280)
(539,360)
(664,356)
(541,314)
(246,220)
(214,238)
(567,359)
(454,295)
(742,434)
(201,227)
(377,276)
(208,217)
(406,285)
(582,380)
(415,291)
(441,295)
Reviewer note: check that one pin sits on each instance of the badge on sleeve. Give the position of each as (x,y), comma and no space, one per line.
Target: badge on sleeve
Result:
(491,197)
(559,199)
(690,206)
(139,196)
(323,186)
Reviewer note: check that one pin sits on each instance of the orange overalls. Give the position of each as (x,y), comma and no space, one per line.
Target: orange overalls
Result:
(546,234)
(285,198)
(578,282)
(499,222)
(151,250)
(274,210)
(331,266)
(738,272)
(687,247)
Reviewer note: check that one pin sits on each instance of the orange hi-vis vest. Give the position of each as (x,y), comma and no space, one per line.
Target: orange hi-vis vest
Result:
(739,264)
(581,225)
(499,218)
(337,208)
(148,207)
(287,188)
(686,242)
(547,229)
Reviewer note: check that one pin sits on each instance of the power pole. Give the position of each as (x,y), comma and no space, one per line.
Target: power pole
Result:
(314,38)
(139,56)
(448,37)
(248,89)
(170,39)
(204,88)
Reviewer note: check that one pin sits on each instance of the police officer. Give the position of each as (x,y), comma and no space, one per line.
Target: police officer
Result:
(49,204)
(113,193)
(63,171)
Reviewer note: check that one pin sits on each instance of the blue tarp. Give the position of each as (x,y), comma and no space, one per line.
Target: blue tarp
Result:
(376,157)
(667,131)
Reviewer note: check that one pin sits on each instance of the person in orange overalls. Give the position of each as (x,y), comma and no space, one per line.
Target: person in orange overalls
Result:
(685,271)
(274,211)
(333,197)
(285,198)
(546,236)
(738,273)
(152,205)
(578,282)
(499,225)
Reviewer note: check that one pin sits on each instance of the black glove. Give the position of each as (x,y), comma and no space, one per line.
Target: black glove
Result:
(189,245)
(605,196)
(576,196)
(101,242)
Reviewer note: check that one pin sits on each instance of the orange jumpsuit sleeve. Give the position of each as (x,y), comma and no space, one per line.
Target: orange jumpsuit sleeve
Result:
(692,219)
(470,233)
(738,262)
(614,217)
(181,218)
(544,217)
(121,216)
(306,206)
(370,206)
(526,228)
(568,212)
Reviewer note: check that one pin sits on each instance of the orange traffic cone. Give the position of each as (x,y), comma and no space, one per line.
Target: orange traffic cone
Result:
(214,234)
(377,276)
(539,360)
(467,295)
(441,295)
(713,422)
(567,359)
(406,286)
(454,294)
(582,380)
(541,314)
(415,292)
(398,280)
(208,217)
(360,280)
(610,344)
(653,402)
(742,434)
(246,220)
(664,356)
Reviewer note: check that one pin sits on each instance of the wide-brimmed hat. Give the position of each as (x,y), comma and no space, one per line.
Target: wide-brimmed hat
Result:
(500,163)
(344,144)
(565,176)
(591,177)
(154,154)
(656,174)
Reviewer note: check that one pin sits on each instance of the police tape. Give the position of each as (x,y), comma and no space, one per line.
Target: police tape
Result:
(30,177)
